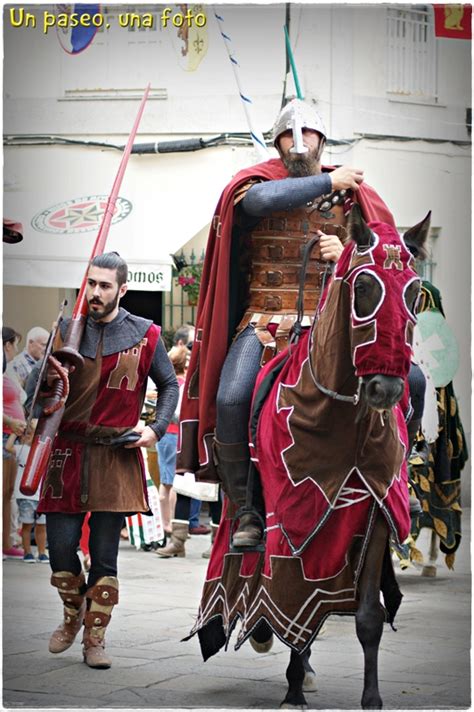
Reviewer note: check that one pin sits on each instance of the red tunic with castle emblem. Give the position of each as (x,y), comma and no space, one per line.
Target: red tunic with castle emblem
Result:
(105,400)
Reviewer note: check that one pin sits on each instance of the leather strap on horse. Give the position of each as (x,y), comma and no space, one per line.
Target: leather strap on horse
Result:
(297,329)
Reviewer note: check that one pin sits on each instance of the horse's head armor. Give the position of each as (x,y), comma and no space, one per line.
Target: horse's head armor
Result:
(378,268)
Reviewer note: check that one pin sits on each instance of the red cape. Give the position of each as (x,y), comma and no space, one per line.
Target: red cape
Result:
(198,408)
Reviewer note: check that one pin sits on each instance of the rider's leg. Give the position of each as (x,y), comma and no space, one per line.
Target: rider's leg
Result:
(233,402)
(417,386)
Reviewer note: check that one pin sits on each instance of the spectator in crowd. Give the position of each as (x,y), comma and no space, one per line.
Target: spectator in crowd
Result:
(184,336)
(167,446)
(23,363)
(13,427)
(31,522)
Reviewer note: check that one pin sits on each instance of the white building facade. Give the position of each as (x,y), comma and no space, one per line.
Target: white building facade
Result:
(395,100)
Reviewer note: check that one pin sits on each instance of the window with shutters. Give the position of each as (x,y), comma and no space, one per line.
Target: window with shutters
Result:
(411,52)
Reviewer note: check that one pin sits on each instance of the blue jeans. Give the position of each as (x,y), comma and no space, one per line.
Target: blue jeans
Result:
(194,513)
(166,448)
(64,533)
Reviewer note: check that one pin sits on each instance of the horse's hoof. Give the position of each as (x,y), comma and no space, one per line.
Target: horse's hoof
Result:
(287,706)
(429,571)
(309,682)
(262,647)
(374,703)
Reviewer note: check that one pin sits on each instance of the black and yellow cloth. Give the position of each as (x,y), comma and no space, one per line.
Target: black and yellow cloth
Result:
(435,469)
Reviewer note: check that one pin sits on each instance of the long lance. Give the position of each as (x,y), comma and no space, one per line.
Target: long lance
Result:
(257,137)
(298,146)
(299,93)
(68,357)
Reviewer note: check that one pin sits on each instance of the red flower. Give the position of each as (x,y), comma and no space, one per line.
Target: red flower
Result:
(189,279)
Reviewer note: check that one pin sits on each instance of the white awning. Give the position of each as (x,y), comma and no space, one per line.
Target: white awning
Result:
(58,194)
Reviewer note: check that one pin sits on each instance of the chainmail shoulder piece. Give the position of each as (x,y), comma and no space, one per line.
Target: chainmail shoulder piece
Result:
(122,333)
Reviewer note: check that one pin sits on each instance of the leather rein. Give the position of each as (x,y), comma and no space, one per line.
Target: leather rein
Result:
(297,328)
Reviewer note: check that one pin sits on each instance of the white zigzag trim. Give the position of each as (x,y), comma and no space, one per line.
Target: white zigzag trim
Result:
(345,500)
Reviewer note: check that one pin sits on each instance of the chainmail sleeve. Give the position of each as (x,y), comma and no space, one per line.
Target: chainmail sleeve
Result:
(163,375)
(263,198)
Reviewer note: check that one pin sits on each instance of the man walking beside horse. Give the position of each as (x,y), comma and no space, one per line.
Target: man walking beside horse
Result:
(96,464)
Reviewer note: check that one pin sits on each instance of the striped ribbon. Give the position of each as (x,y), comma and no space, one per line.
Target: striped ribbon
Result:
(257,136)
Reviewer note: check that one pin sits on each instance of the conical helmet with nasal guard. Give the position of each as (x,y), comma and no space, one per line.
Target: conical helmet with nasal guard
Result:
(306,117)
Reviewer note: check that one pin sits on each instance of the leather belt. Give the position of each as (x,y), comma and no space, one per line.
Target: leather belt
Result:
(254,317)
(272,344)
(87,439)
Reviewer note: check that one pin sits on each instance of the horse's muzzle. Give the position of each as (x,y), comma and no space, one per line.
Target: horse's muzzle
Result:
(382,392)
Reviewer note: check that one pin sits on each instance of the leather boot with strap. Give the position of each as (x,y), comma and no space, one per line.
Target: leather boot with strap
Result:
(232,462)
(179,534)
(103,596)
(71,589)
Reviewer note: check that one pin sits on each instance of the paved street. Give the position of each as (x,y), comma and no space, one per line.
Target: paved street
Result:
(425,665)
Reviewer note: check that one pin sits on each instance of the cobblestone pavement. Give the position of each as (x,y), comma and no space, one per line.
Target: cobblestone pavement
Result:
(424,665)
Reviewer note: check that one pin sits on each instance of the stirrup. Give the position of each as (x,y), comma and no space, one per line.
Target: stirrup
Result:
(260,547)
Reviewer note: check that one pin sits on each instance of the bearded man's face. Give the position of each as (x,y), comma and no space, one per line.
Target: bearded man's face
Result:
(103,293)
(300,165)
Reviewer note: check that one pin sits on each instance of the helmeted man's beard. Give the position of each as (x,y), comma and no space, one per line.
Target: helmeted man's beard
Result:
(300,165)
(108,307)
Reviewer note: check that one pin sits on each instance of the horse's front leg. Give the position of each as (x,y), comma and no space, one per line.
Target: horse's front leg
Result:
(309,682)
(295,674)
(261,639)
(370,615)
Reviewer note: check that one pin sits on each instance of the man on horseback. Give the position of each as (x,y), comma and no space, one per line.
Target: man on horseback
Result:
(247,306)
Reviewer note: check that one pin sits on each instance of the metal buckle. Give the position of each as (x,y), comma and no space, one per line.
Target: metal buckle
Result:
(272,302)
(274,278)
(274,252)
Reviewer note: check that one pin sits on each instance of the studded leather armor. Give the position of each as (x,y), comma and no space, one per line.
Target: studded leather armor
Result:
(276,246)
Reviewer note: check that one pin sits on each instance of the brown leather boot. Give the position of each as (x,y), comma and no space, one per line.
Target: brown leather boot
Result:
(249,532)
(103,597)
(69,587)
(232,462)
(179,534)
(207,554)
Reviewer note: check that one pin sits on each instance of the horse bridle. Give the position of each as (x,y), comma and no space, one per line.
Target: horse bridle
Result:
(297,328)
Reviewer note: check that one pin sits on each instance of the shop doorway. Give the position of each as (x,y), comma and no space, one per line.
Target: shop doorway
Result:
(145,304)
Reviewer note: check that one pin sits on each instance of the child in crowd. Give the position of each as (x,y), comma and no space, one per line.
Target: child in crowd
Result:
(28,517)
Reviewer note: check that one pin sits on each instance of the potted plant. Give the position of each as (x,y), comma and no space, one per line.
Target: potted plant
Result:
(189,279)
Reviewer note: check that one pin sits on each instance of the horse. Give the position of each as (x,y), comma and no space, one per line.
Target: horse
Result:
(329,440)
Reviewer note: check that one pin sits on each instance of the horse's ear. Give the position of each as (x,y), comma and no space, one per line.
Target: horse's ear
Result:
(415,238)
(358,230)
